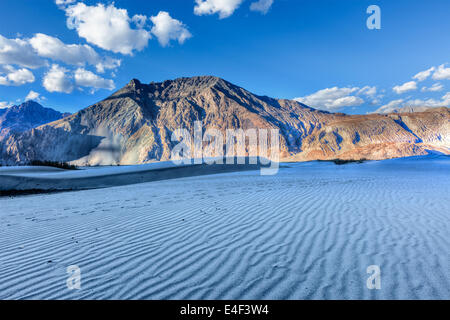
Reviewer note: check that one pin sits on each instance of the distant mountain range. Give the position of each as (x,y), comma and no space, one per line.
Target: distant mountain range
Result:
(26,116)
(134,126)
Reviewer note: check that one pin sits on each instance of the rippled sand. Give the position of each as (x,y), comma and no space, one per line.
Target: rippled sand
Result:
(309,232)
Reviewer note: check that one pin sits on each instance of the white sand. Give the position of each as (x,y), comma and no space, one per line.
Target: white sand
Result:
(307,233)
(54,179)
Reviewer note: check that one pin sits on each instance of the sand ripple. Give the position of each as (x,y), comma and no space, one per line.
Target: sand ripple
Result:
(307,233)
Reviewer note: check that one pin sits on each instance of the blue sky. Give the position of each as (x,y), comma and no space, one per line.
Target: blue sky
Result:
(319,51)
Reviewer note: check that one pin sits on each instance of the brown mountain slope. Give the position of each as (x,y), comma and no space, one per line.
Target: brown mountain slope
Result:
(134,125)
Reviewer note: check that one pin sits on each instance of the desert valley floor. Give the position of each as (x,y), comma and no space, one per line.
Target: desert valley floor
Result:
(309,232)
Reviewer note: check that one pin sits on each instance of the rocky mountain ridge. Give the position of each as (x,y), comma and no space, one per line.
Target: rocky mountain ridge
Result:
(23,117)
(134,126)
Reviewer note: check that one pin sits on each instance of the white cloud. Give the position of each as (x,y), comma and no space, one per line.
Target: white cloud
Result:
(19,52)
(108,63)
(224,8)
(139,20)
(73,54)
(33,95)
(166,28)
(108,27)
(390,107)
(4,104)
(444,102)
(57,80)
(332,98)
(64,2)
(368,91)
(434,88)
(408,86)
(395,105)
(446,99)
(442,73)
(423,75)
(423,103)
(15,77)
(262,6)
(349,101)
(50,47)
(28,53)
(85,78)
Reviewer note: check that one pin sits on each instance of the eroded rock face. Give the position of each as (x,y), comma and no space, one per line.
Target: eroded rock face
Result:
(135,124)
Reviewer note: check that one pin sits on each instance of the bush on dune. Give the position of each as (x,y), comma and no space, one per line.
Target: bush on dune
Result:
(55,164)
(340,161)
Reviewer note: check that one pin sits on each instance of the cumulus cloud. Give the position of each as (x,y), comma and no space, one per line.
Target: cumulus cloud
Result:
(50,47)
(333,98)
(423,75)
(108,27)
(9,76)
(19,52)
(57,79)
(33,95)
(224,8)
(108,63)
(390,107)
(28,53)
(434,88)
(408,86)
(73,54)
(262,6)
(85,78)
(368,91)
(166,28)
(442,73)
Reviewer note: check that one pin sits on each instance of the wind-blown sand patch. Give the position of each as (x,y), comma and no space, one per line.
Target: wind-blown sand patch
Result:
(307,233)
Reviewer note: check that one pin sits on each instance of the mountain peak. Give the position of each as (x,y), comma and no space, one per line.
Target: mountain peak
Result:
(177,87)
(25,116)
(201,82)
(29,104)
(198,82)
(135,84)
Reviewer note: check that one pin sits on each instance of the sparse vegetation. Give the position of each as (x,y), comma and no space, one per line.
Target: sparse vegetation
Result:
(56,164)
(342,161)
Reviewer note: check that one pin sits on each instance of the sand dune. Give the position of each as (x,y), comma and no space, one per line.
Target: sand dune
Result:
(46,179)
(307,233)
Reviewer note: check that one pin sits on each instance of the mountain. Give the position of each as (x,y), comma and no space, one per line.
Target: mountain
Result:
(25,116)
(134,126)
